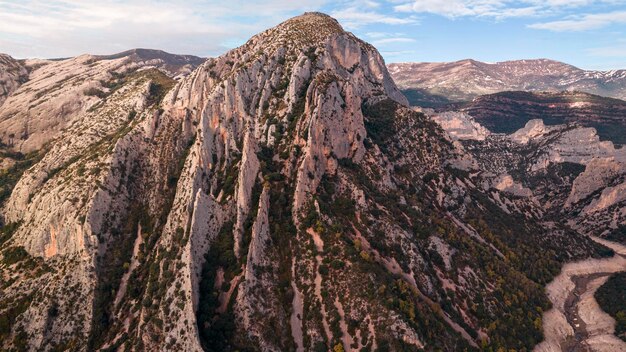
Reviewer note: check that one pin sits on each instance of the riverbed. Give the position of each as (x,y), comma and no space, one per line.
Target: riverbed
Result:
(576,323)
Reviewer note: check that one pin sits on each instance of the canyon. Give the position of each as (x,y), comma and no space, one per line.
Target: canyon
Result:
(286,196)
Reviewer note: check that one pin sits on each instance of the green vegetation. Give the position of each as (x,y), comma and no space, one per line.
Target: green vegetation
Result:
(612,299)
(423,98)
(10,176)
(379,121)
(95,92)
(7,231)
(217,330)
(9,311)
(618,235)
(14,255)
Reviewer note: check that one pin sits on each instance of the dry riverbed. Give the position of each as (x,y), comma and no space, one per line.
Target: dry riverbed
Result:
(576,323)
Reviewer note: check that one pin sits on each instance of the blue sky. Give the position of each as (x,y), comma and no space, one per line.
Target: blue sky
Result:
(590,34)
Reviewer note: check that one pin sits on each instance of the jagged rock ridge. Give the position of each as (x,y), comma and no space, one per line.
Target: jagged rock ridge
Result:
(267,201)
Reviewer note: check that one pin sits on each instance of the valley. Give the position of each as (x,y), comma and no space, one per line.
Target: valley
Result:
(576,322)
(288,195)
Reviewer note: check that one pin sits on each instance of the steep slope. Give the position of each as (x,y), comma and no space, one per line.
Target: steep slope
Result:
(55,93)
(435,84)
(12,75)
(281,197)
(573,175)
(507,112)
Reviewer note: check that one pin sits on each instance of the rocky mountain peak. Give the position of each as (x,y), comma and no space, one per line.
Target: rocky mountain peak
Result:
(160,56)
(308,29)
(282,187)
(309,32)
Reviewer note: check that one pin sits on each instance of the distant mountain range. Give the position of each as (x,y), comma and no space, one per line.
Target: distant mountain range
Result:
(284,196)
(436,84)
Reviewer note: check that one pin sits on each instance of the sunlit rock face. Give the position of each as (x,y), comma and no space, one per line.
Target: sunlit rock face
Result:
(53,94)
(282,196)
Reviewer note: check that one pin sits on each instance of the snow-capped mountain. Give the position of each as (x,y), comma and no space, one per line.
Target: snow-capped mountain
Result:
(435,83)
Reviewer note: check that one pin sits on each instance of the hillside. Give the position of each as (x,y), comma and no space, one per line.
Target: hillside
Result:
(282,196)
(507,112)
(436,84)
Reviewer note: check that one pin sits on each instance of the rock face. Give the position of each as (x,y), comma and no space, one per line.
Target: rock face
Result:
(281,196)
(507,112)
(440,83)
(52,95)
(459,125)
(12,75)
(567,169)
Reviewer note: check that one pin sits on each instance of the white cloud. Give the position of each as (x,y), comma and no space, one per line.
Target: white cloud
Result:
(498,9)
(353,17)
(464,8)
(62,28)
(392,41)
(582,23)
(616,50)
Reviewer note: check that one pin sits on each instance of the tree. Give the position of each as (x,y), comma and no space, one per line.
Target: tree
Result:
(338,347)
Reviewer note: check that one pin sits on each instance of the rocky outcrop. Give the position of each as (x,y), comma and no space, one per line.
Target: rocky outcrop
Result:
(533,129)
(598,173)
(284,186)
(459,125)
(55,94)
(12,75)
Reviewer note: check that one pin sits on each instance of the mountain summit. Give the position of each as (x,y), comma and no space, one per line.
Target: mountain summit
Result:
(282,196)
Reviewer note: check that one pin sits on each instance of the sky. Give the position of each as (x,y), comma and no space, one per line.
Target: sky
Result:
(590,34)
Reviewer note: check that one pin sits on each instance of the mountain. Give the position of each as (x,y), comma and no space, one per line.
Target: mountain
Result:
(506,112)
(282,196)
(575,177)
(173,65)
(435,84)
(12,75)
(49,95)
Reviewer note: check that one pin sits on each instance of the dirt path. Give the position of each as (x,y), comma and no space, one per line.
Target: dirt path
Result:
(576,323)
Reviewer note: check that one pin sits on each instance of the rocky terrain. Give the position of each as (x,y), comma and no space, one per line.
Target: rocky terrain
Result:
(566,169)
(48,96)
(282,196)
(507,112)
(436,84)
(577,179)
(576,322)
(12,75)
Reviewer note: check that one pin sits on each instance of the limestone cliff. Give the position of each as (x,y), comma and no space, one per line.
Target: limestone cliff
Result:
(280,197)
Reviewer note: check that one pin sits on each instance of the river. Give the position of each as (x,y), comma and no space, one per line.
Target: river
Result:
(576,323)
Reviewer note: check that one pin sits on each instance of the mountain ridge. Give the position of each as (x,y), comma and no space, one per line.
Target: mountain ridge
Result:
(466,79)
(506,112)
(266,200)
